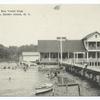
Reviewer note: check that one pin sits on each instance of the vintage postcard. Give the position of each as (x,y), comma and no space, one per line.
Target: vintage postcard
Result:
(49,50)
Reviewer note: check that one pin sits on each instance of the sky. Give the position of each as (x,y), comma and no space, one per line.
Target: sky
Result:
(44,22)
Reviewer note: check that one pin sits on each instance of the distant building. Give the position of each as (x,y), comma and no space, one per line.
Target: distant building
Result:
(86,50)
(30,56)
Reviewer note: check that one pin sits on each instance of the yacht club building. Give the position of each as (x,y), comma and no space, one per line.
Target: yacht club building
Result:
(86,50)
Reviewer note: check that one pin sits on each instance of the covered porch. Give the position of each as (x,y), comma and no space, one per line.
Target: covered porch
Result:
(72,57)
(93,45)
(75,57)
(49,57)
(93,58)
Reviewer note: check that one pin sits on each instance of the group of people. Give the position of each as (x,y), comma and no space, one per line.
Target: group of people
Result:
(53,74)
(9,67)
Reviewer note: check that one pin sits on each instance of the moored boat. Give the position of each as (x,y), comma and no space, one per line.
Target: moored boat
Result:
(44,88)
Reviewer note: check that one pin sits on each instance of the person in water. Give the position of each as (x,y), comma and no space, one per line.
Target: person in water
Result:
(9,78)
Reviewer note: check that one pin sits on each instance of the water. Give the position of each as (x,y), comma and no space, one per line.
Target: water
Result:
(23,83)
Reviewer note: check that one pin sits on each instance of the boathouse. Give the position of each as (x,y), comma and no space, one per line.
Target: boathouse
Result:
(29,56)
(86,50)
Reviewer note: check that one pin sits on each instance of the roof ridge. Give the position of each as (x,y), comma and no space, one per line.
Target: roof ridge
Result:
(87,36)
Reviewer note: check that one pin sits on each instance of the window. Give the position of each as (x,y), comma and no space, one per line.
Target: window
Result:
(98,44)
(92,45)
(95,63)
(46,55)
(92,63)
(95,36)
(98,63)
(98,54)
(80,55)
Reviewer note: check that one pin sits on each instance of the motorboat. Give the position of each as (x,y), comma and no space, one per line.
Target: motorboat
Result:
(44,88)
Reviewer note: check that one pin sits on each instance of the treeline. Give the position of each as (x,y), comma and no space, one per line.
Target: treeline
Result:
(13,52)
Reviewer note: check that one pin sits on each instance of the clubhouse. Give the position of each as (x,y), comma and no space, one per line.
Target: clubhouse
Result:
(86,50)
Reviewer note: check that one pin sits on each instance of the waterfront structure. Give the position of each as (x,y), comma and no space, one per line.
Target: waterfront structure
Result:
(92,46)
(86,50)
(29,56)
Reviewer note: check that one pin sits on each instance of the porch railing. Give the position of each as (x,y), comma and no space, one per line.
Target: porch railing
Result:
(89,62)
(82,61)
(93,48)
(75,61)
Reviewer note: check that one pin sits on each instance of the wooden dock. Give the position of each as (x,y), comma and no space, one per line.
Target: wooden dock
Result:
(89,72)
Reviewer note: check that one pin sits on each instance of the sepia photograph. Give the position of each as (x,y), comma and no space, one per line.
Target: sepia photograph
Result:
(49,50)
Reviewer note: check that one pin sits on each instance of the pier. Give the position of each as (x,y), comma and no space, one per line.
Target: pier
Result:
(91,73)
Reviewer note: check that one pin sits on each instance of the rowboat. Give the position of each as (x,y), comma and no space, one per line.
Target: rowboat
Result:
(44,88)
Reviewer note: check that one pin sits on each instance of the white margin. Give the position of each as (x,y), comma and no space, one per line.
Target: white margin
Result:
(49,1)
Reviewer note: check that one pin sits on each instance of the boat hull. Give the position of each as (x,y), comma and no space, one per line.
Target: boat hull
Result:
(40,91)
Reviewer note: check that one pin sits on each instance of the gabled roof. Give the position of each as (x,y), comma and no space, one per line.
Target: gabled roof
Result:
(48,46)
(74,46)
(54,46)
(91,34)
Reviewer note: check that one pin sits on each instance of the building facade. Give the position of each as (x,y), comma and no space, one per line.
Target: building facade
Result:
(29,56)
(86,50)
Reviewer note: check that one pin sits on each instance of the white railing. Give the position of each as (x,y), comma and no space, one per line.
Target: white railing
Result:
(90,62)
(81,61)
(75,61)
(93,48)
